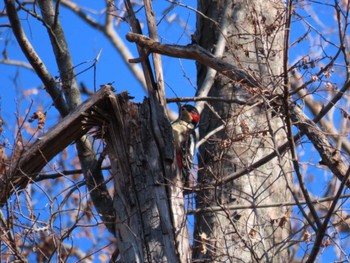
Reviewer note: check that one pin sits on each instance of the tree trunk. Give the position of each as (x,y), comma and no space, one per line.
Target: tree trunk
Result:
(250,132)
(150,221)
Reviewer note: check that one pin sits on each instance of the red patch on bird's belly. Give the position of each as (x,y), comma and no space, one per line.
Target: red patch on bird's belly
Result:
(179,160)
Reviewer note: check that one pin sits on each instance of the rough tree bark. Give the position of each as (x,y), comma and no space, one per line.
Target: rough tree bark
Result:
(150,221)
(254,43)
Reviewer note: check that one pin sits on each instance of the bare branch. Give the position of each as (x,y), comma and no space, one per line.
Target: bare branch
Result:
(290,128)
(330,156)
(44,176)
(157,62)
(322,230)
(34,59)
(327,126)
(16,63)
(62,54)
(113,37)
(46,147)
(146,65)
(296,164)
(197,53)
(211,99)
(211,209)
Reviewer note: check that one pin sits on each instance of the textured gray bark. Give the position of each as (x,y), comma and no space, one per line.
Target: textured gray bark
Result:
(150,221)
(62,54)
(255,43)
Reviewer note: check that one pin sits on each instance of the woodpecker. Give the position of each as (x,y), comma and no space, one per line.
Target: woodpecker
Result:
(185,139)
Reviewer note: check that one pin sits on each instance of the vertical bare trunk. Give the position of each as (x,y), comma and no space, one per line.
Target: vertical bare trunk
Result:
(150,221)
(255,43)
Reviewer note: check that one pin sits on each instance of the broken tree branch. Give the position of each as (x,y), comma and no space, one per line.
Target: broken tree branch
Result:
(33,160)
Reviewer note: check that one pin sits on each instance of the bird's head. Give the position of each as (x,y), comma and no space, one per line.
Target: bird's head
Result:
(189,114)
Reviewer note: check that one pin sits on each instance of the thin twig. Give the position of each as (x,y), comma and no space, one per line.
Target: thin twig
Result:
(211,209)
(322,230)
(42,177)
(297,168)
(111,35)
(33,58)
(290,138)
(211,99)
(16,63)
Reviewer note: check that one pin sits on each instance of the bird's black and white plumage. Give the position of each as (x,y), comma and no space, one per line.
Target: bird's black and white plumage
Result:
(185,139)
